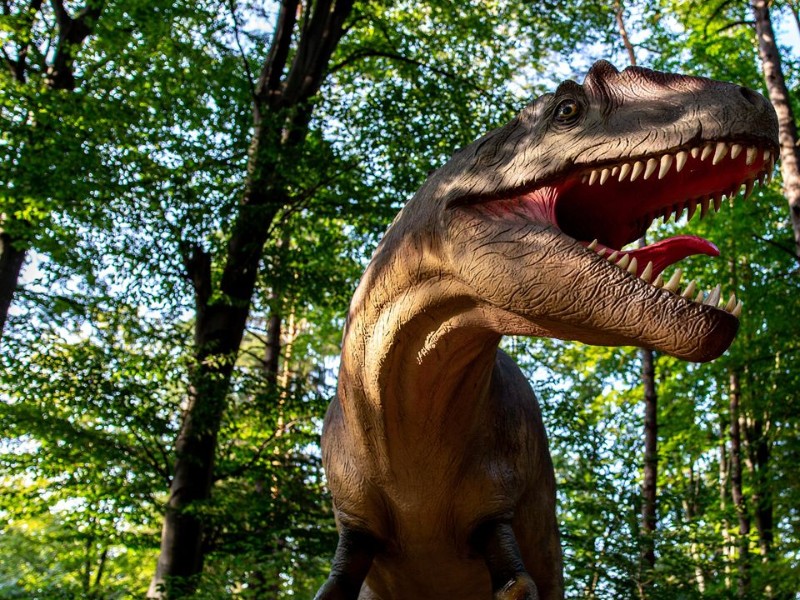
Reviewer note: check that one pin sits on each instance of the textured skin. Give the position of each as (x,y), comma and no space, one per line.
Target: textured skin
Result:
(434,449)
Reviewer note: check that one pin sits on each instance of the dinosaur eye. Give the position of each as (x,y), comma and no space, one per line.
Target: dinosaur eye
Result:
(567,110)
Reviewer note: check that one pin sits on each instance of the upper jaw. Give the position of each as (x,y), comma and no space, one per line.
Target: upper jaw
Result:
(617,201)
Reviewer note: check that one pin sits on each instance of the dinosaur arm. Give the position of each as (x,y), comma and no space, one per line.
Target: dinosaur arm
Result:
(496,542)
(351,563)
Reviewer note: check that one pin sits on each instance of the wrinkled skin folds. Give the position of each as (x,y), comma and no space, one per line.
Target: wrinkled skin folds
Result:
(434,448)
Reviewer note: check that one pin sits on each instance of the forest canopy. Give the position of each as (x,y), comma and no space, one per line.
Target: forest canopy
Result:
(189,193)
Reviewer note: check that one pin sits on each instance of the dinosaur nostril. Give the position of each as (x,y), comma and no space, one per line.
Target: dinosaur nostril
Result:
(751,96)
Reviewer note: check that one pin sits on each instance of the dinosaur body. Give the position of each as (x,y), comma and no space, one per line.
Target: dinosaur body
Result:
(434,448)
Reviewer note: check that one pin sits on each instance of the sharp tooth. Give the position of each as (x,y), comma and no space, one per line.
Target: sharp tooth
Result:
(638,167)
(748,189)
(718,202)
(585,178)
(674,281)
(666,163)
(593,177)
(604,176)
(720,152)
(633,267)
(704,204)
(647,274)
(695,152)
(706,151)
(736,150)
(713,296)
(736,312)
(614,256)
(659,282)
(601,252)
(692,208)
(751,155)
(666,214)
(680,160)
(614,171)
(699,297)
(623,262)
(767,155)
(678,210)
(769,176)
(690,290)
(652,163)
(623,171)
(593,245)
(731,303)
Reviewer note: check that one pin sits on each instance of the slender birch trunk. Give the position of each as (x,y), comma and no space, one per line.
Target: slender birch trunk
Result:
(743,537)
(779,96)
(724,486)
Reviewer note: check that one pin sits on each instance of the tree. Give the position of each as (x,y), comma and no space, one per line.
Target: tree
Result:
(282,109)
(35,53)
(779,96)
(289,163)
(153,224)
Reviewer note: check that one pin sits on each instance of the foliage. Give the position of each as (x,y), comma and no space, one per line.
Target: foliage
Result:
(112,183)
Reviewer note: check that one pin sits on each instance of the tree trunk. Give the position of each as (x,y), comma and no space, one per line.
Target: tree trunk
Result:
(619,15)
(272,352)
(11,260)
(758,456)
(779,96)
(724,483)
(649,482)
(762,498)
(690,508)
(282,112)
(743,585)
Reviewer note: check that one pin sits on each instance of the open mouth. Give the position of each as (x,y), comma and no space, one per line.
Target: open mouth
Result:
(608,206)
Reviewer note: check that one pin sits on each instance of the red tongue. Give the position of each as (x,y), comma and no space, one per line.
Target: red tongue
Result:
(669,251)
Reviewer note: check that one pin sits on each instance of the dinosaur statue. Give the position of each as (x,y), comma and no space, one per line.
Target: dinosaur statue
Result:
(434,449)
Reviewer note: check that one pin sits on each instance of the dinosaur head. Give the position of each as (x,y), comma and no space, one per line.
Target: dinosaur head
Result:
(535,216)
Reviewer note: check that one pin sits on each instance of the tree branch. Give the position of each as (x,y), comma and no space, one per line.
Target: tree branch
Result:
(733,24)
(275,63)
(18,66)
(10,62)
(197,263)
(258,336)
(717,11)
(161,469)
(71,34)
(316,46)
(62,16)
(250,79)
(788,251)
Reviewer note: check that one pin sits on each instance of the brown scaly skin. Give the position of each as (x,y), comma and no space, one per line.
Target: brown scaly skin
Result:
(435,450)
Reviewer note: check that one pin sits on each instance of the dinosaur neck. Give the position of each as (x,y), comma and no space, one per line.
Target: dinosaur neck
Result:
(417,360)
